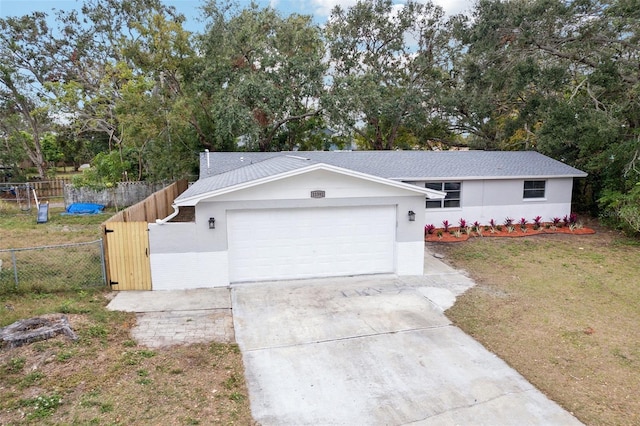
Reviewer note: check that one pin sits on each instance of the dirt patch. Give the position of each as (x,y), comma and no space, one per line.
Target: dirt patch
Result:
(106,378)
(562,310)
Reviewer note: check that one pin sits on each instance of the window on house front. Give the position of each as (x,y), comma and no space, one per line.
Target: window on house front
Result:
(534,189)
(452,199)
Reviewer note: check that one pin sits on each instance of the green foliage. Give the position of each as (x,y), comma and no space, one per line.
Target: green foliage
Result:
(264,73)
(50,148)
(540,75)
(622,209)
(382,80)
(28,58)
(108,169)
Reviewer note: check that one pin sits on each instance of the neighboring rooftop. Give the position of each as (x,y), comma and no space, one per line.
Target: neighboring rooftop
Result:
(405,165)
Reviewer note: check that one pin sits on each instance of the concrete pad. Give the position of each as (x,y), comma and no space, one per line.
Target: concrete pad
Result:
(436,266)
(358,352)
(319,310)
(178,317)
(171,300)
(418,376)
(441,297)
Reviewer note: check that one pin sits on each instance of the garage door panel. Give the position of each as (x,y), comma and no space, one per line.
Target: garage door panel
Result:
(304,243)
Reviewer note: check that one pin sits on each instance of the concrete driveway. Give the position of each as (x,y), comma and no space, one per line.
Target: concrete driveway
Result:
(375,350)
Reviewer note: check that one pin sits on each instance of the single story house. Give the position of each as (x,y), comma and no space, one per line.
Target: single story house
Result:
(293,215)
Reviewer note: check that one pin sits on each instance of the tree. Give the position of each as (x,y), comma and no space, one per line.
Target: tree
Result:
(102,39)
(558,77)
(29,58)
(157,107)
(78,149)
(388,63)
(500,87)
(263,73)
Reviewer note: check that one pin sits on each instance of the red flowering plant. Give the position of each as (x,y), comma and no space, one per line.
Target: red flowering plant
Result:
(537,222)
(428,229)
(523,224)
(508,223)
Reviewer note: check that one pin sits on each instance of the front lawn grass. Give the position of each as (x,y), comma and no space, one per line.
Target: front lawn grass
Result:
(562,310)
(104,377)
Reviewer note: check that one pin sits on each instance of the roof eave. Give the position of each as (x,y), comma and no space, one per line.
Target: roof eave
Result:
(463,178)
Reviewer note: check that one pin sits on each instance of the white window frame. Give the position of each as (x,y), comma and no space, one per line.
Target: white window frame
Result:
(448,199)
(530,193)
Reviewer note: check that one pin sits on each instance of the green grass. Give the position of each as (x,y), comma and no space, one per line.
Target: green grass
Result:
(562,310)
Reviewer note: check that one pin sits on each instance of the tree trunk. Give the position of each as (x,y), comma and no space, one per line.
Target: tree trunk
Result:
(378,141)
(36,156)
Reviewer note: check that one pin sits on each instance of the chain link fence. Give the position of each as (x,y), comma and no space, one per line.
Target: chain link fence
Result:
(54,267)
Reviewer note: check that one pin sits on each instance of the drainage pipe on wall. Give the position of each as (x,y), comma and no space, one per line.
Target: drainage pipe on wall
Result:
(176,210)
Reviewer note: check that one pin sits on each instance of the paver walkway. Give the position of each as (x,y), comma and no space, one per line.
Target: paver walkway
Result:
(167,318)
(161,329)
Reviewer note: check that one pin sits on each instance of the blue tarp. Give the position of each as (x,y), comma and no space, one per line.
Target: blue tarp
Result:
(84,208)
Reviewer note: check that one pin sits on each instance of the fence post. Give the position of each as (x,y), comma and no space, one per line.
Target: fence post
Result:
(104,266)
(15,266)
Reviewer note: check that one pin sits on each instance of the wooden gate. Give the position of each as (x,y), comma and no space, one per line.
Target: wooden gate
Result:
(126,239)
(127,260)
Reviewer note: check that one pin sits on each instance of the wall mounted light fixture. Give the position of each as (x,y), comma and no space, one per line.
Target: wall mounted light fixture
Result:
(412,216)
(212,223)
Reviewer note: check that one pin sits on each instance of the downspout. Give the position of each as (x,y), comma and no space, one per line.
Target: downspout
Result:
(176,210)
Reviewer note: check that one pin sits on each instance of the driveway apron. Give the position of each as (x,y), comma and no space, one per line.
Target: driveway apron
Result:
(375,350)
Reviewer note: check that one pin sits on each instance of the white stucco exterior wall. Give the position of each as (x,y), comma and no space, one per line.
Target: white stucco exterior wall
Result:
(190,255)
(189,270)
(483,200)
(410,258)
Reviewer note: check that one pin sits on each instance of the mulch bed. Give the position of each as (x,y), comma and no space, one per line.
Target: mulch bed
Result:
(455,234)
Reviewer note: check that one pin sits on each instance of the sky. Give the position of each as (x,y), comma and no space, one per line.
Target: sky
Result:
(320,9)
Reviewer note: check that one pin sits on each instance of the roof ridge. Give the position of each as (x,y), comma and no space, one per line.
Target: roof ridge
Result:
(297,157)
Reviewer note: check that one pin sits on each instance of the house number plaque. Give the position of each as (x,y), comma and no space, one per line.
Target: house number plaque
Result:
(317,194)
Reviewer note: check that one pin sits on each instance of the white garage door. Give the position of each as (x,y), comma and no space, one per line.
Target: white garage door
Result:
(303,243)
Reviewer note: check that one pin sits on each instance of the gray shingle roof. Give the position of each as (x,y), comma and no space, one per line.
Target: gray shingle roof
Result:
(410,165)
(247,172)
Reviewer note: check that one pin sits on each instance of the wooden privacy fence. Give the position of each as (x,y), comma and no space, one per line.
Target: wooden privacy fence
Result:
(50,188)
(126,239)
(155,206)
(45,189)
